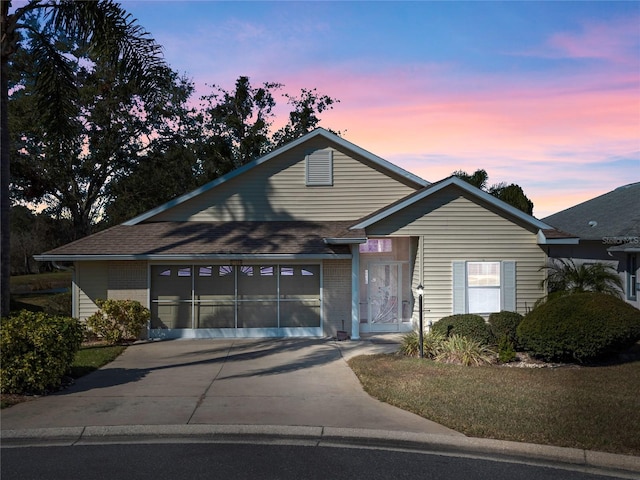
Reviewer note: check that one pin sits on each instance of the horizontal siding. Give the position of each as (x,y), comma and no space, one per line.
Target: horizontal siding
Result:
(91,279)
(276,190)
(452,227)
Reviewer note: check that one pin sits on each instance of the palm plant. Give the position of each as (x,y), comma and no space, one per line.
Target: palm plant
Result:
(565,276)
(101,27)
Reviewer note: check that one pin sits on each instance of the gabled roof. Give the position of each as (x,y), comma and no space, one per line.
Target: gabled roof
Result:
(438,186)
(319,132)
(614,214)
(210,240)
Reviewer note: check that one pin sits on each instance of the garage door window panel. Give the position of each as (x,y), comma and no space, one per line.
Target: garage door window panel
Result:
(300,296)
(214,288)
(171,297)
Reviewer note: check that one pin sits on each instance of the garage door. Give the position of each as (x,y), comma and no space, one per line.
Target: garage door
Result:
(231,300)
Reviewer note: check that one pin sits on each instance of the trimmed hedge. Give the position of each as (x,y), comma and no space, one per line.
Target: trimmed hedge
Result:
(36,351)
(118,320)
(465,325)
(580,327)
(505,324)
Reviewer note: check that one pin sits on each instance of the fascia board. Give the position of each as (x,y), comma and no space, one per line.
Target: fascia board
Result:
(197,257)
(543,240)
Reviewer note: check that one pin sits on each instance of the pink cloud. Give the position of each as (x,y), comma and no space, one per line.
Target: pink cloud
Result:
(616,41)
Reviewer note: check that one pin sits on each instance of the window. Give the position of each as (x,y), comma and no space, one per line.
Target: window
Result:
(632,277)
(376,245)
(319,168)
(484,287)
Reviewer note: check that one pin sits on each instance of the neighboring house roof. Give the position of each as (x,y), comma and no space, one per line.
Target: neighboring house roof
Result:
(611,217)
(231,240)
(319,132)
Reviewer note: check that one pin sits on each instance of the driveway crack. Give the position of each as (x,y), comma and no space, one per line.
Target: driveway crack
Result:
(206,391)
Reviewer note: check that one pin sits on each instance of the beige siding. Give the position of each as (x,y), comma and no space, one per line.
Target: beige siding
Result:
(91,285)
(336,297)
(128,281)
(276,190)
(454,228)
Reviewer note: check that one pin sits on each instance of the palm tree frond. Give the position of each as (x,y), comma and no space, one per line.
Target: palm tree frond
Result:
(564,275)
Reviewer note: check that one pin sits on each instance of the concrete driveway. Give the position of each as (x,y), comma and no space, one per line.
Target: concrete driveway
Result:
(295,382)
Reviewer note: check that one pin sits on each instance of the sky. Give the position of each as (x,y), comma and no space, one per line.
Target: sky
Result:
(543,94)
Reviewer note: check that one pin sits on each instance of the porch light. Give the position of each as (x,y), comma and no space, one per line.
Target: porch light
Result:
(420,291)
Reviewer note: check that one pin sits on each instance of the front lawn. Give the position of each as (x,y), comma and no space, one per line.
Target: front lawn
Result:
(595,408)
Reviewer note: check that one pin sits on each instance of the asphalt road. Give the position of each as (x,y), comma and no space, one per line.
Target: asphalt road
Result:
(226,461)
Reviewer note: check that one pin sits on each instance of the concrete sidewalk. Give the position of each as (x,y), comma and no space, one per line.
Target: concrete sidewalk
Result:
(294,382)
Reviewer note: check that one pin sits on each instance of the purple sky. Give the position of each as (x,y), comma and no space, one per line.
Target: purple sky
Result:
(542,94)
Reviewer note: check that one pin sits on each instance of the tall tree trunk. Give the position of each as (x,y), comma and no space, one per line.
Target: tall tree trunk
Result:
(5,239)
(7,30)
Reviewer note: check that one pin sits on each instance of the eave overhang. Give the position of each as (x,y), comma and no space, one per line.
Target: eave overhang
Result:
(193,257)
(545,239)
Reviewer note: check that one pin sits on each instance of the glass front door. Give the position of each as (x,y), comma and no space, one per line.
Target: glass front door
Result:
(385,296)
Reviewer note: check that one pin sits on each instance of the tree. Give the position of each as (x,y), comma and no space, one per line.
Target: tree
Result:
(229,130)
(565,276)
(237,125)
(304,116)
(114,129)
(102,28)
(478,178)
(238,122)
(32,234)
(511,194)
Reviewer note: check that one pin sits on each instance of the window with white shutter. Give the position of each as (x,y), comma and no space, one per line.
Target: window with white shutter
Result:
(484,287)
(319,168)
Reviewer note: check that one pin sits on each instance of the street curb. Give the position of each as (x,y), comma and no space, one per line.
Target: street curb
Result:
(319,436)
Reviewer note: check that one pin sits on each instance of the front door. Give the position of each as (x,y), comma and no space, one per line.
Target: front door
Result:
(384,297)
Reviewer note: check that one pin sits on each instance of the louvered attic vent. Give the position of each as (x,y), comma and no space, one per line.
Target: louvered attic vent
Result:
(320,168)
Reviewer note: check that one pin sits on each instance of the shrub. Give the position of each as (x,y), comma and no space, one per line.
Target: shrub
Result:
(464,351)
(505,324)
(59,304)
(431,344)
(36,350)
(466,325)
(506,350)
(118,320)
(579,327)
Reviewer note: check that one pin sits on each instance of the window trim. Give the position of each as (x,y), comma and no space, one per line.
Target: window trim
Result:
(632,276)
(508,300)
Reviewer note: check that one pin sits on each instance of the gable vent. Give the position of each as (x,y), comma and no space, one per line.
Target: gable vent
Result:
(320,168)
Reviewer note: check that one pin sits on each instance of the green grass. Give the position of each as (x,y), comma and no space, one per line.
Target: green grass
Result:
(88,359)
(40,281)
(91,357)
(595,408)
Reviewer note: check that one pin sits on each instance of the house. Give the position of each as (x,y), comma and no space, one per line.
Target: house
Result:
(609,231)
(316,237)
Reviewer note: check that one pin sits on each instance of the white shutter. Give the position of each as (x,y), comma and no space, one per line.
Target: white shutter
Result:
(459,288)
(509,286)
(320,168)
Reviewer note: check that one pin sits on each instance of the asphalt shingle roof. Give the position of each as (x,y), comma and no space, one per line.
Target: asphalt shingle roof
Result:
(214,238)
(614,214)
